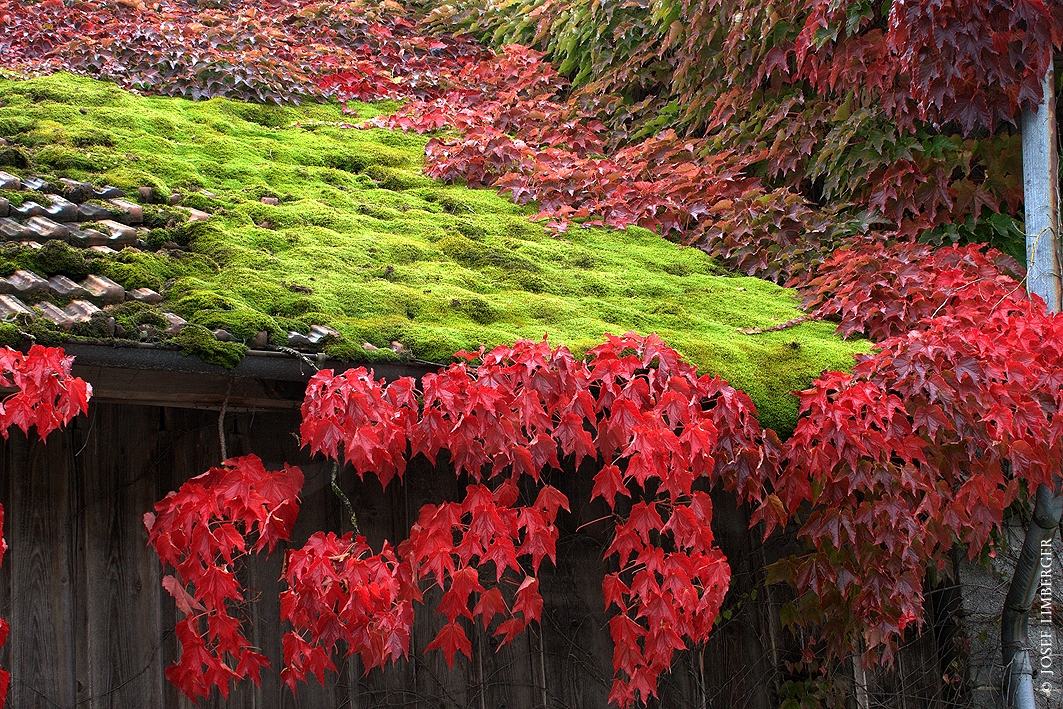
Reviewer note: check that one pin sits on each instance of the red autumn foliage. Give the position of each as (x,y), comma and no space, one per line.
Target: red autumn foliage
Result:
(635,405)
(884,290)
(770,173)
(505,417)
(47,396)
(269,52)
(513,132)
(974,63)
(202,531)
(922,447)
(338,591)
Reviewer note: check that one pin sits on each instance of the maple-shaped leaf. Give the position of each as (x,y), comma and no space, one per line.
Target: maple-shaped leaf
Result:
(509,629)
(250,664)
(185,602)
(527,600)
(279,524)
(216,584)
(644,519)
(317,661)
(455,601)
(488,605)
(450,639)
(614,590)
(549,500)
(574,438)
(621,694)
(539,537)
(608,483)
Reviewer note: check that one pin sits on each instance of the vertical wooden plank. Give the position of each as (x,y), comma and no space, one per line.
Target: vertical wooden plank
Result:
(121,594)
(193,448)
(6,490)
(270,437)
(572,656)
(40,565)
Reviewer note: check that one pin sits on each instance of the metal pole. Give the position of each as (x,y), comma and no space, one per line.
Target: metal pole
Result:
(1040,170)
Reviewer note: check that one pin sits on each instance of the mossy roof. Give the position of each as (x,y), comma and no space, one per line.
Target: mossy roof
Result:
(364,243)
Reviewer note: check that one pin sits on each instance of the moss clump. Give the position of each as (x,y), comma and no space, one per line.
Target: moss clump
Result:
(476,309)
(200,201)
(54,258)
(11,335)
(130,315)
(13,126)
(476,255)
(364,243)
(199,300)
(16,197)
(134,269)
(243,324)
(130,277)
(208,235)
(24,331)
(13,156)
(63,158)
(389,178)
(163,217)
(98,327)
(91,137)
(199,341)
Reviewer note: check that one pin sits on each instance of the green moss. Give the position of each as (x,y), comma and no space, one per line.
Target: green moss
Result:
(13,156)
(131,314)
(476,255)
(98,327)
(243,323)
(130,277)
(63,158)
(133,269)
(390,178)
(24,332)
(199,341)
(200,201)
(12,126)
(209,236)
(54,258)
(163,217)
(199,300)
(90,137)
(11,336)
(362,242)
(16,197)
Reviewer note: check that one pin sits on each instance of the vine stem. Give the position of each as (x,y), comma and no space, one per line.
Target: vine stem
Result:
(221,423)
(343,498)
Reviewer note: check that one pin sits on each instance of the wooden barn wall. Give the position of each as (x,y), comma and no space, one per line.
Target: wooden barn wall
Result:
(91,626)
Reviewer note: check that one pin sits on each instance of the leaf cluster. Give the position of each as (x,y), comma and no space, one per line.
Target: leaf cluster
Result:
(264,52)
(921,448)
(201,531)
(46,396)
(893,114)
(505,417)
(338,591)
(884,290)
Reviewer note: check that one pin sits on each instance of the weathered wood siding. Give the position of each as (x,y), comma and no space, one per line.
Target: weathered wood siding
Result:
(91,627)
